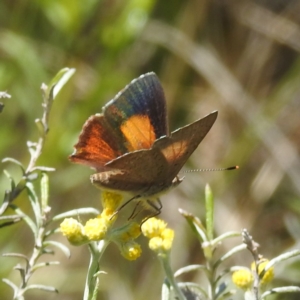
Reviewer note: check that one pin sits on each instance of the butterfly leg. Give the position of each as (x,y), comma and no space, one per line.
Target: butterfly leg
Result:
(135,211)
(157,209)
(123,205)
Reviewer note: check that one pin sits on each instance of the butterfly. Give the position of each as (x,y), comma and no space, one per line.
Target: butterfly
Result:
(129,144)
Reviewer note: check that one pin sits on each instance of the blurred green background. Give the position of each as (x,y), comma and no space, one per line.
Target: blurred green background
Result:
(238,57)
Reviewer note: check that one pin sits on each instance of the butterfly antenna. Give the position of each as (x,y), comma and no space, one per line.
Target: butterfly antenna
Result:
(212,169)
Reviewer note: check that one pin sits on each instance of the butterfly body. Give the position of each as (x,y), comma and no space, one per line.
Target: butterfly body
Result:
(129,144)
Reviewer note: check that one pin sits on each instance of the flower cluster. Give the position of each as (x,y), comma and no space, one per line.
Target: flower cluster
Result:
(160,237)
(100,228)
(124,238)
(95,229)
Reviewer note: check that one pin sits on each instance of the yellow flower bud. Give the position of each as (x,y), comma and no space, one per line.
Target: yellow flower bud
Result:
(153,227)
(155,244)
(74,231)
(167,236)
(129,232)
(243,279)
(268,276)
(131,250)
(161,238)
(95,229)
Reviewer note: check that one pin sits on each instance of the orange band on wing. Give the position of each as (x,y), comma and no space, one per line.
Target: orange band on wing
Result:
(175,151)
(138,132)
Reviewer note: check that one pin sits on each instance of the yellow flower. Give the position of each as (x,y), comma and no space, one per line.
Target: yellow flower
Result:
(156,243)
(161,238)
(95,229)
(268,276)
(130,250)
(74,231)
(110,202)
(243,279)
(129,232)
(153,227)
(167,236)
(124,238)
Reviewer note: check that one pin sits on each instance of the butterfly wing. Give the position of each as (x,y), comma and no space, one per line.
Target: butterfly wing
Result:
(133,120)
(148,172)
(97,144)
(138,113)
(179,146)
(134,172)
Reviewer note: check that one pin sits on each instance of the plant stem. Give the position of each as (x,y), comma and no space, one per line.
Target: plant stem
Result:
(92,280)
(164,259)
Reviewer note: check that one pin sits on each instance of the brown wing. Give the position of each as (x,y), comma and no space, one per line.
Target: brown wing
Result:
(151,171)
(134,172)
(183,142)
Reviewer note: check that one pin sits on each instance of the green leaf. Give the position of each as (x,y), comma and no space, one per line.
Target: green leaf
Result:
(17,255)
(45,288)
(11,284)
(278,259)
(26,218)
(12,219)
(188,269)
(43,169)
(59,80)
(76,212)
(209,204)
(195,224)
(224,236)
(44,191)
(10,178)
(19,188)
(44,264)
(229,254)
(281,290)
(14,161)
(5,202)
(62,247)
(34,201)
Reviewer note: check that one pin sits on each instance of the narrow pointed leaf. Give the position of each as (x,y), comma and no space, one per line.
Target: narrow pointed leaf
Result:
(278,259)
(42,287)
(60,79)
(34,201)
(76,212)
(26,218)
(11,284)
(44,191)
(230,253)
(45,264)
(189,268)
(59,245)
(15,161)
(224,236)
(281,290)
(195,224)
(209,205)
